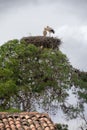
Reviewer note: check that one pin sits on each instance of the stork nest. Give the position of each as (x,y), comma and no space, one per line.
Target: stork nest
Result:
(41,41)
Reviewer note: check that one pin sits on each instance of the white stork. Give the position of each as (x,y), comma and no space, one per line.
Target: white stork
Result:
(48,29)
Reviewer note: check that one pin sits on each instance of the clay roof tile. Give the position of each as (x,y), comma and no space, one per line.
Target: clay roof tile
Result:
(26,121)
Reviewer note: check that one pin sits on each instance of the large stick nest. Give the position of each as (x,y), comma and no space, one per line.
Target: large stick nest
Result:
(46,42)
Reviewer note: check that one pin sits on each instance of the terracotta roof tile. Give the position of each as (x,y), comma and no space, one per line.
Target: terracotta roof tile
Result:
(26,121)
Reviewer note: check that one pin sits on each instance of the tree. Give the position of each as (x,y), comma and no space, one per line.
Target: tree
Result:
(61,127)
(33,75)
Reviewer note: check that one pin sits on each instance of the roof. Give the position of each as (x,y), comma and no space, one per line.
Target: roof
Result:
(25,121)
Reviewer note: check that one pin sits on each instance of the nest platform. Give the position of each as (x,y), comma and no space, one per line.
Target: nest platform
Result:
(46,42)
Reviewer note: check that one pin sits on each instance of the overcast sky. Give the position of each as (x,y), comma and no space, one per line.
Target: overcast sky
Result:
(20,18)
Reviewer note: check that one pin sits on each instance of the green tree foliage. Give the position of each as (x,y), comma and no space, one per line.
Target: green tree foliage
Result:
(61,127)
(31,75)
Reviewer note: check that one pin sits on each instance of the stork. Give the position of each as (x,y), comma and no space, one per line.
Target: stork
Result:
(48,29)
(44,32)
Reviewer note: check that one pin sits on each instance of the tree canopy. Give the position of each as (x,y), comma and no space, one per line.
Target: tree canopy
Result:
(31,75)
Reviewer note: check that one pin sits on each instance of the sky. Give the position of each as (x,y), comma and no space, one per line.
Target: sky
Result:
(19,18)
